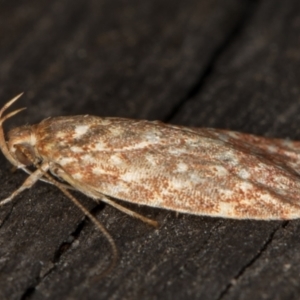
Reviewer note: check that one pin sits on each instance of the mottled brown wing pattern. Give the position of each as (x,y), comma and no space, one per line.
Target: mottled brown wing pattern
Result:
(198,171)
(190,170)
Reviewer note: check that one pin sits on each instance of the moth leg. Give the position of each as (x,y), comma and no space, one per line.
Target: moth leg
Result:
(28,183)
(43,179)
(43,172)
(60,172)
(127,211)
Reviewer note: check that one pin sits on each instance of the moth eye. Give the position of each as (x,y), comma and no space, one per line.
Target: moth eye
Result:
(21,157)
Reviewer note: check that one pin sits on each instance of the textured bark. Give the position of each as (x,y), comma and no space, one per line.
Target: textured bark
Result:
(227,64)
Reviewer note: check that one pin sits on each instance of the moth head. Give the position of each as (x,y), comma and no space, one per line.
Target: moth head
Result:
(21,145)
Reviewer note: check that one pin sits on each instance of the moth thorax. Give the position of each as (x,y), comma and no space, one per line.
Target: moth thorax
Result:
(21,144)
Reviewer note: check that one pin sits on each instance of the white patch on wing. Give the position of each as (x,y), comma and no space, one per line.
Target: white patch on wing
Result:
(267,198)
(141,145)
(245,186)
(223,137)
(233,134)
(100,146)
(226,209)
(97,171)
(116,189)
(76,149)
(219,171)
(152,137)
(116,131)
(182,167)
(272,149)
(195,178)
(105,122)
(177,151)
(66,160)
(128,177)
(231,157)
(116,159)
(151,159)
(77,176)
(260,170)
(33,139)
(60,135)
(227,193)
(80,130)
(89,159)
(244,174)
(177,184)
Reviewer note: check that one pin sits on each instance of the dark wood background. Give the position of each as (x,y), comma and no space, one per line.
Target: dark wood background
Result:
(228,64)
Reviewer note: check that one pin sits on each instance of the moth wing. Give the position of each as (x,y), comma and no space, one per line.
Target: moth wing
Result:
(283,151)
(197,171)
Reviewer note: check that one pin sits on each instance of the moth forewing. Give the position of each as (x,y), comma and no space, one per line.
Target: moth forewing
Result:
(190,170)
(201,171)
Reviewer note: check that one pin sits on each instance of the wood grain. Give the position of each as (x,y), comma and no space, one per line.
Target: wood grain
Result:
(228,64)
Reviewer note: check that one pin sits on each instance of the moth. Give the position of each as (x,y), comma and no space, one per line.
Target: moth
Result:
(199,171)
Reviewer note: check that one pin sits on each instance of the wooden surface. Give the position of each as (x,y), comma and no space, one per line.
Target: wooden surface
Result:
(227,64)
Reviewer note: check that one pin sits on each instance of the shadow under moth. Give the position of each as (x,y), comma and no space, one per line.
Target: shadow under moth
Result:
(198,171)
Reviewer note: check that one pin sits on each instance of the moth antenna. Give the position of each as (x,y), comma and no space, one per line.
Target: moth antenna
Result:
(9,103)
(3,144)
(98,225)
(11,114)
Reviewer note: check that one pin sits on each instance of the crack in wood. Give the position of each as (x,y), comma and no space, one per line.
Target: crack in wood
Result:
(252,261)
